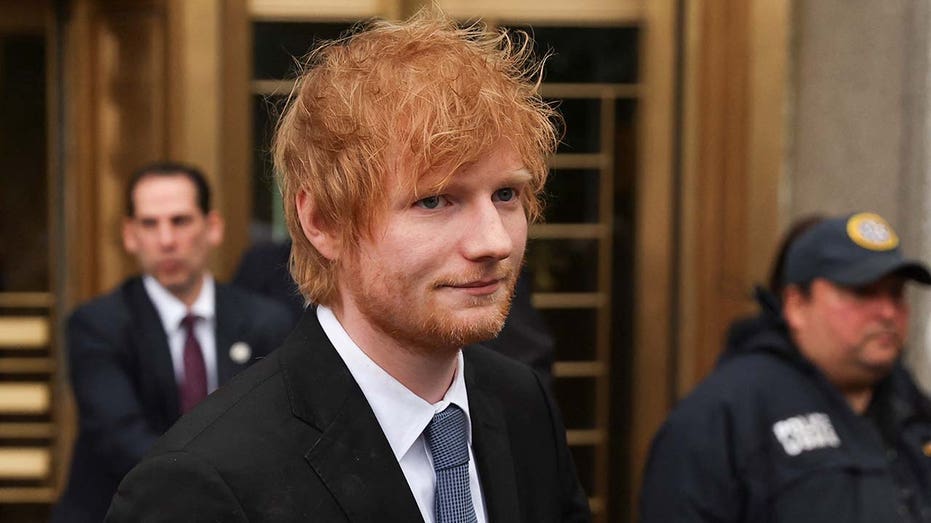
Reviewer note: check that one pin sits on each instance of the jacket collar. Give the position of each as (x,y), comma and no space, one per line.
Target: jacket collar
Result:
(352,455)
(148,335)
(233,323)
(492,446)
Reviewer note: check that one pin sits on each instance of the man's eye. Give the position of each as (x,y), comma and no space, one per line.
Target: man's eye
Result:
(432,202)
(505,195)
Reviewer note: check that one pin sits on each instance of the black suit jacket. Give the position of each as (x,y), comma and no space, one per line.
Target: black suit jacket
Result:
(124,383)
(293,439)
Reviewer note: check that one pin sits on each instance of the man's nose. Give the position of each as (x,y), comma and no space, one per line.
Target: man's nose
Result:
(166,235)
(486,234)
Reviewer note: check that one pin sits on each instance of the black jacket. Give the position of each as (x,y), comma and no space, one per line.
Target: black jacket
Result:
(293,439)
(766,438)
(124,382)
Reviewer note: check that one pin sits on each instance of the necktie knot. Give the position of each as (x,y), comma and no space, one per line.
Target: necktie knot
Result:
(189,321)
(446,436)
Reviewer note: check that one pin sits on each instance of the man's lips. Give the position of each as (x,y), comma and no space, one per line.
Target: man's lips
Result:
(887,337)
(169,265)
(476,287)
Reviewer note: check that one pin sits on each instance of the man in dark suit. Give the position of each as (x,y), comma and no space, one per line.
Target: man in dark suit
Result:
(148,351)
(410,159)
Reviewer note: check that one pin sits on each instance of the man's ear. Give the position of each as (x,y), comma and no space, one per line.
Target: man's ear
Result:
(315,230)
(216,228)
(130,244)
(792,302)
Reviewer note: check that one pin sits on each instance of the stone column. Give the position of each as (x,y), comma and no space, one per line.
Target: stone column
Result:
(859,126)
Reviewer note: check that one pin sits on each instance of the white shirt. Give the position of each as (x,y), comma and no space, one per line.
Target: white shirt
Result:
(403,416)
(171,311)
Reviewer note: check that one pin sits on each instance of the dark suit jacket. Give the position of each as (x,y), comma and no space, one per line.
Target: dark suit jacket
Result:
(293,439)
(124,382)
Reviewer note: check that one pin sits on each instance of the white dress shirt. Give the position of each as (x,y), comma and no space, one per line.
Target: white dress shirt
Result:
(403,416)
(171,311)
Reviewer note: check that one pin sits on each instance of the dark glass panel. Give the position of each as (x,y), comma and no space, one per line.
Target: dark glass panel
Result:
(584,458)
(278,44)
(573,331)
(572,196)
(625,112)
(625,156)
(564,265)
(622,305)
(25,511)
(24,232)
(588,54)
(583,126)
(264,191)
(576,399)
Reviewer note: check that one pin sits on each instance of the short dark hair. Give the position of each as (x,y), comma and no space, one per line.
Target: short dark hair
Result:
(777,282)
(165,168)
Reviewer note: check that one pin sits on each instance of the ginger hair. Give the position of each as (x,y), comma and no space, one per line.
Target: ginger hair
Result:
(402,101)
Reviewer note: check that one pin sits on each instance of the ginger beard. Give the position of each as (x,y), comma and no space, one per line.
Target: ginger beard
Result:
(430,317)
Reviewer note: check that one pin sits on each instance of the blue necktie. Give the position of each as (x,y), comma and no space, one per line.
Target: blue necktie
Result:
(446,435)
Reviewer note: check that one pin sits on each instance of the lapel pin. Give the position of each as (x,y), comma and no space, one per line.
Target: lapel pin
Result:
(240,352)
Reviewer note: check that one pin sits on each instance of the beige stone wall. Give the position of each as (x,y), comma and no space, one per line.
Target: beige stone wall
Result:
(859,123)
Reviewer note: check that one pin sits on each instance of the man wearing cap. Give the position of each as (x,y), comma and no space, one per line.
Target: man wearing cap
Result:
(809,415)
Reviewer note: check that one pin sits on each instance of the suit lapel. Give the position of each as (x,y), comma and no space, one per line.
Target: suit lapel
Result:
(153,351)
(354,460)
(231,324)
(352,457)
(492,449)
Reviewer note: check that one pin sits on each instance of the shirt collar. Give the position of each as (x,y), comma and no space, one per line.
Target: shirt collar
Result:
(171,310)
(402,415)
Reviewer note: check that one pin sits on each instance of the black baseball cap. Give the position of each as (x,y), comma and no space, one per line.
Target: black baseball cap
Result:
(851,251)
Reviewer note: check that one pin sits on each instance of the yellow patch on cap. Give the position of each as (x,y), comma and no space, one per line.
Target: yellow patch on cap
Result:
(872,232)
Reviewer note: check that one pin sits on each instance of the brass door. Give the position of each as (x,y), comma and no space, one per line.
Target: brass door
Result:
(29,442)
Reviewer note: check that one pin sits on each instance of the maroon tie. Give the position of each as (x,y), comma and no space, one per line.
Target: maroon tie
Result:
(194,387)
